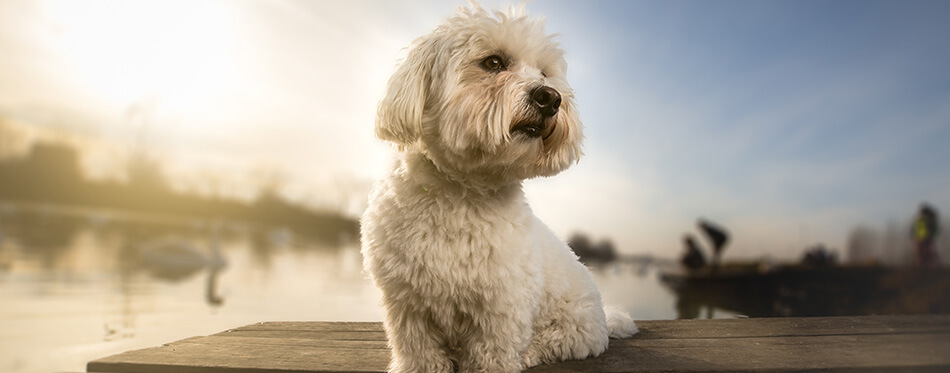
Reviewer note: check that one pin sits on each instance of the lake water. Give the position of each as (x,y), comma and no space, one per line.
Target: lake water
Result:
(80,285)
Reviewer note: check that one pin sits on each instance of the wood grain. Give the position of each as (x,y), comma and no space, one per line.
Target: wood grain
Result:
(827,344)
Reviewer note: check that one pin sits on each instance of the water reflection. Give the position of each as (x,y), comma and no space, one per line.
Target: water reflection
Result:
(211,290)
(47,235)
(80,284)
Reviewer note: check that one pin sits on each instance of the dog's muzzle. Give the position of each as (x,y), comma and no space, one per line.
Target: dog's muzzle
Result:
(547,101)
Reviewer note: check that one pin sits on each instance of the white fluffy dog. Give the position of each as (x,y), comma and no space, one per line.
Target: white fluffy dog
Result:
(471,279)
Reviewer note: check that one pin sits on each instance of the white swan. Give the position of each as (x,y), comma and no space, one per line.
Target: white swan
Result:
(175,257)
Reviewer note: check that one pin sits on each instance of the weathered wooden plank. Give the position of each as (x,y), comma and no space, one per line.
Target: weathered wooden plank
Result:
(199,356)
(829,353)
(314,326)
(866,343)
(792,326)
(359,331)
(307,334)
(690,328)
(288,342)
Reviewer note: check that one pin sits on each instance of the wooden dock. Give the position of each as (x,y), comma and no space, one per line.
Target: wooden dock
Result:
(828,344)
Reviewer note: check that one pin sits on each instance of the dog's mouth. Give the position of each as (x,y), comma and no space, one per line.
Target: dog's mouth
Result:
(535,129)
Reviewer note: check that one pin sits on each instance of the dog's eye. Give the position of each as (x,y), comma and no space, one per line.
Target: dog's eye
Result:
(493,63)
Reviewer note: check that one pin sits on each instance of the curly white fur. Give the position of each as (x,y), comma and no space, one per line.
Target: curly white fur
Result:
(471,279)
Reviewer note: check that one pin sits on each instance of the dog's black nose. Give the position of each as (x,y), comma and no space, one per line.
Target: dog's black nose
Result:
(547,99)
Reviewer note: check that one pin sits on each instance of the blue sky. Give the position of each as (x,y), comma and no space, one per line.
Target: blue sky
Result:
(789,122)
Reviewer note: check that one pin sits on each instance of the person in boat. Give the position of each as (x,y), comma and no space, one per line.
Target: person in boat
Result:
(693,258)
(717,235)
(926,228)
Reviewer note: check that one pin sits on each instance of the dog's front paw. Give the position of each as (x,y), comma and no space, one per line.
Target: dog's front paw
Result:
(530,359)
(439,365)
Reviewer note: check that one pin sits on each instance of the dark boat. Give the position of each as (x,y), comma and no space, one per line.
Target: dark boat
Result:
(802,290)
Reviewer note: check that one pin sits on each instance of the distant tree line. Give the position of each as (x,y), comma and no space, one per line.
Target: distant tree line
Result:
(590,252)
(50,173)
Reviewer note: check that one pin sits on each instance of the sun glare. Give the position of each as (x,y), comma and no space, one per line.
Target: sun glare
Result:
(177,53)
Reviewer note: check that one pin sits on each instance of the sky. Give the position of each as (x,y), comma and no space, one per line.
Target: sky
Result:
(788,122)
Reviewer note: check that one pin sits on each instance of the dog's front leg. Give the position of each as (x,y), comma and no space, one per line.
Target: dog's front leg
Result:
(415,346)
(497,346)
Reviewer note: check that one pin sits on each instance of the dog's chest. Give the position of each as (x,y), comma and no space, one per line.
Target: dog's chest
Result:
(473,232)
(470,255)
(439,236)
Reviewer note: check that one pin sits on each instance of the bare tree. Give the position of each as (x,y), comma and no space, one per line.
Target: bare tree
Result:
(143,167)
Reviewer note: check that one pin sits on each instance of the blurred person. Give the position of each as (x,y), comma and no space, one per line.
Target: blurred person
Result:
(926,228)
(693,258)
(718,236)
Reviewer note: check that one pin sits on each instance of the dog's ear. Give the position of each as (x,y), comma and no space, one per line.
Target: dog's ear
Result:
(399,117)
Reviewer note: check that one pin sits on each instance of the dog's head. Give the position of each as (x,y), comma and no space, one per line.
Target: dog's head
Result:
(485,94)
